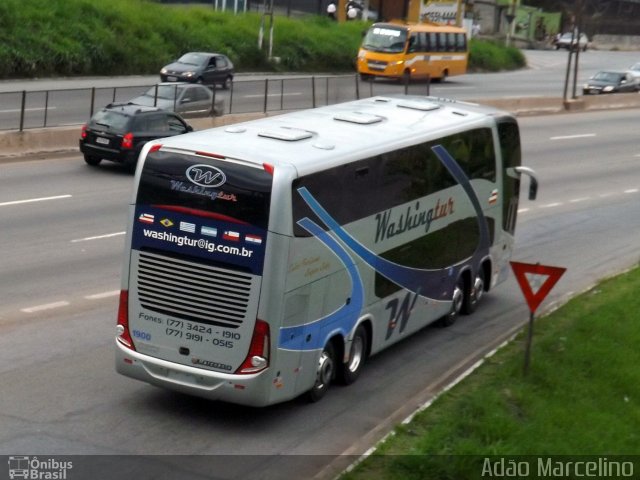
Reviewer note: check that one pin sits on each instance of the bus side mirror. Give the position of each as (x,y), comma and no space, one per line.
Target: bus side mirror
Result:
(533,186)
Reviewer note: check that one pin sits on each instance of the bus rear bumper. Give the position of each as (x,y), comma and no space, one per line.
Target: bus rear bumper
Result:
(240,389)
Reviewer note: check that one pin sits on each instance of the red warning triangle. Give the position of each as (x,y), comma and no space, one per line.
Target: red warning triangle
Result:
(534,299)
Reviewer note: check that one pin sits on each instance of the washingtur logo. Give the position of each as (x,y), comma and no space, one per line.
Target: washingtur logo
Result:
(35,468)
(205,175)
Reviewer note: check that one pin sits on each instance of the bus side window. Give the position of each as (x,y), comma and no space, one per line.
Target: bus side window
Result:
(509,135)
(433,41)
(451,42)
(461,42)
(424,41)
(442,42)
(414,43)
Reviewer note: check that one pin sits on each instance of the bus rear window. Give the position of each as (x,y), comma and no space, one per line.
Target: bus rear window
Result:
(206,186)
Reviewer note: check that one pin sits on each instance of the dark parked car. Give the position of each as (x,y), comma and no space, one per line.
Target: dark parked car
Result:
(119,131)
(610,82)
(181,97)
(200,67)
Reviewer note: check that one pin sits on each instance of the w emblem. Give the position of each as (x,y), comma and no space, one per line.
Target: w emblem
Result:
(205,175)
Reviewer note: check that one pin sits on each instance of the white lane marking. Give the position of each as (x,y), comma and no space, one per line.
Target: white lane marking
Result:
(632,190)
(570,137)
(46,306)
(98,296)
(551,205)
(97,237)
(31,200)
(523,210)
(34,109)
(274,95)
(581,199)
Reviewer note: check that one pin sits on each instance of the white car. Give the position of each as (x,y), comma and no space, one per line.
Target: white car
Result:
(634,70)
(566,40)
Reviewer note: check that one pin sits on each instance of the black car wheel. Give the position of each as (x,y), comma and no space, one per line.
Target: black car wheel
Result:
(91,160)
(226,85)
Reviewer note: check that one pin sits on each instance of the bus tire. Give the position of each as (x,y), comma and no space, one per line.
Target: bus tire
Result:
(324,374)
(406,77)
(475,293)
(457,302)
(350,371)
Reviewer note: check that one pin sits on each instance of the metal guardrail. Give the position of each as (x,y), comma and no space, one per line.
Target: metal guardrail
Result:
(21,110)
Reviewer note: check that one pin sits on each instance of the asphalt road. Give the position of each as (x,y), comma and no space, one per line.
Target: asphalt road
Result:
(69,100)
(62,245)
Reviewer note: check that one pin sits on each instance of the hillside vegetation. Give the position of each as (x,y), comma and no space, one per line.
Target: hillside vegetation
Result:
(40,38)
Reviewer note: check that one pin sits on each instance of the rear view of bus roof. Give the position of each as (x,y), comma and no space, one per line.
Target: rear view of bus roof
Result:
(305,137)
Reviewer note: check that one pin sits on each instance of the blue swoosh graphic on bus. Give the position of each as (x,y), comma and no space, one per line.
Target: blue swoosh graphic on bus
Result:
(341,320)
(413,279)
(454,169)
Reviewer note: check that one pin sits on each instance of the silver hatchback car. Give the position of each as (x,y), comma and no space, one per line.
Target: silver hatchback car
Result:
(187,99)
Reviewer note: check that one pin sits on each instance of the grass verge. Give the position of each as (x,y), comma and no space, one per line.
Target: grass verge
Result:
(581,396)
(40,38)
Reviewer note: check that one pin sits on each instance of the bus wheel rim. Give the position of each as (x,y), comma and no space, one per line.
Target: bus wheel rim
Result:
(325,370)
(357,352)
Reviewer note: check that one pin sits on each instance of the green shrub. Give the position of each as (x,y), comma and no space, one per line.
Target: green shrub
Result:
(493,56)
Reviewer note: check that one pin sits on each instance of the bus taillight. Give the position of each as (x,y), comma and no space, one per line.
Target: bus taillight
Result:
(122,329)
(258,356)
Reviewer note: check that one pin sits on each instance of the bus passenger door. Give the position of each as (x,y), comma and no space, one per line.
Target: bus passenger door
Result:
(414,57)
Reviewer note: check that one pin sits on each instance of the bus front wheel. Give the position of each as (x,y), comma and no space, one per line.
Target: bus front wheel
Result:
(350,371)
(324,374)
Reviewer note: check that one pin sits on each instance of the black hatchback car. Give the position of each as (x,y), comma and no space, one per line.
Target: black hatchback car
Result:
(200,67)
(119,131)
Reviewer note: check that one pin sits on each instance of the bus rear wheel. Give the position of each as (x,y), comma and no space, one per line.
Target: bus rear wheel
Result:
(324,374)
(475,295)
(350,371)
(457,302)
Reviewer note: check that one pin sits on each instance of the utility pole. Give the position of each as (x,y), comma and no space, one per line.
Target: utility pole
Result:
(574,50)
(510,21)
(267,12)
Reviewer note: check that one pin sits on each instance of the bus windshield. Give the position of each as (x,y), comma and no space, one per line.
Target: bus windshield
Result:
(385,39)
(206,187)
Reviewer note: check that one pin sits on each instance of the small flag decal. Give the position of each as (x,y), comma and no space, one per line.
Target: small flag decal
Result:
(188,227)
(255,239)
(231,236)
(145,218)
(209,231)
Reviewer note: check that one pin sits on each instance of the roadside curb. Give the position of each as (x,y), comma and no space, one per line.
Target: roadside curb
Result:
(43,143)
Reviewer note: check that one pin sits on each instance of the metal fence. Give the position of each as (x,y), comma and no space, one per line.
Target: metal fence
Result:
(23,110)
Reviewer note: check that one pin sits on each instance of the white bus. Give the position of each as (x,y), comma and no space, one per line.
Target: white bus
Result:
(270,258)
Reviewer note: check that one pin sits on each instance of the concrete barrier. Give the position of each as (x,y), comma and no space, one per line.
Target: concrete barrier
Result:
(56,141)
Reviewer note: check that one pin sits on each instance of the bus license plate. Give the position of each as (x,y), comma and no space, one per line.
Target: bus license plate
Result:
(103,141)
